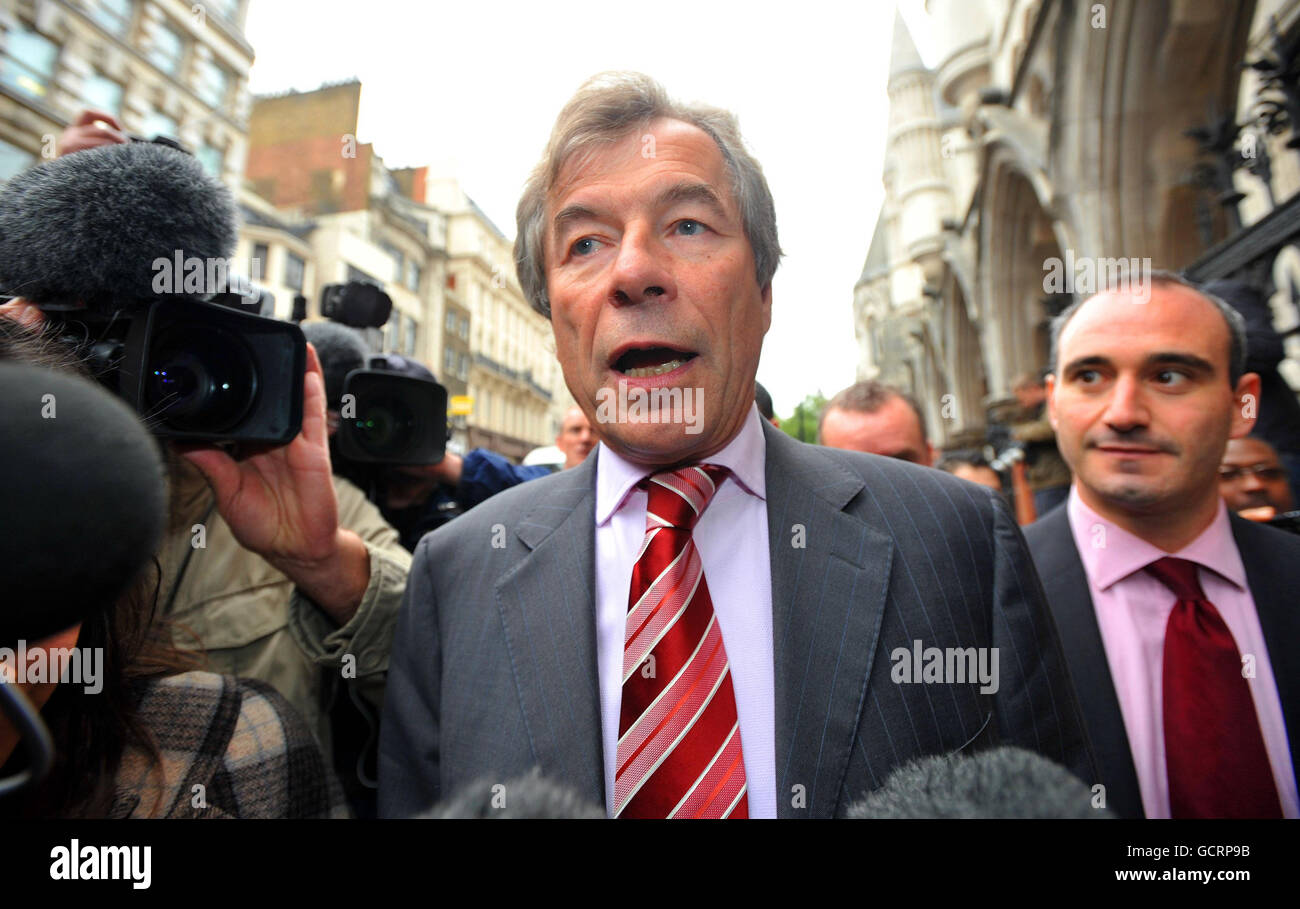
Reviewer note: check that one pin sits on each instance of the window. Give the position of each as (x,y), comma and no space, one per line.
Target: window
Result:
(356,274)
(212,159)
(228,9)
(211,83)
(398,259)
(166,50)
(102,93)
(413,273)
(464,366)
(156,124)
(408,341)
(451,323)
(294,267)
(464,327)
(448,363)
(114,16)
(261,255)
(392,330)
(28,62)
(13,160)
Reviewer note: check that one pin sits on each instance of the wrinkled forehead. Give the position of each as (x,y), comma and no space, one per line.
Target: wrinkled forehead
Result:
(662,144)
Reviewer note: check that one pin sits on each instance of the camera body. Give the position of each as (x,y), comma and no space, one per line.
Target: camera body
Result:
(392,419)
(194,371)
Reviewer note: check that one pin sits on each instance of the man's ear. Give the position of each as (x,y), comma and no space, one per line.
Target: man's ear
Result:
(766,295)
(1245,405)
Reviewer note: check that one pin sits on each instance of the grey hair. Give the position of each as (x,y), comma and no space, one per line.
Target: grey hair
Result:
(607,108)
(1162,278)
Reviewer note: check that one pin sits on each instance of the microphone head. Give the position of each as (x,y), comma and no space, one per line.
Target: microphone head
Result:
(524,797)
(341,350)
(88,227)
(84,496)
(1004,782)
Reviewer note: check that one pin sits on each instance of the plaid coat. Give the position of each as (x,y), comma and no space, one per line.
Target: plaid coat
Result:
(230,748)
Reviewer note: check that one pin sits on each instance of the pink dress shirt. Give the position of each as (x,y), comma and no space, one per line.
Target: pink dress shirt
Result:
(732,540)
(1133,609)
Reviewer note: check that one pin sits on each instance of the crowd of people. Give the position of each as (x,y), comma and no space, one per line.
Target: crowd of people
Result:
(706,620)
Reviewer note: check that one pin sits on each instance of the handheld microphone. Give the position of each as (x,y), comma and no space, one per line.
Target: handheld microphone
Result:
(528,796)
(84,493)
(1004,782)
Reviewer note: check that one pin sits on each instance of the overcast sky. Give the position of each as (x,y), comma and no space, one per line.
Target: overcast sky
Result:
(472,89)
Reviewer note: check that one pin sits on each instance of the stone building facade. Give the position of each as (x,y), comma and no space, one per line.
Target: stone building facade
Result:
(1059,131)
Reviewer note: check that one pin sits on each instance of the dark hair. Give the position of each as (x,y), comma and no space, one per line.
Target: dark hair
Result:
(1160,278)
(869,397)
(91,732)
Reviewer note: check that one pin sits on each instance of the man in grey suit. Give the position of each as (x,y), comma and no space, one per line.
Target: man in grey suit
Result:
(706,618)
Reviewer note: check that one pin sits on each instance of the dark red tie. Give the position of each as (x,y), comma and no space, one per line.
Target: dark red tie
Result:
(1214,750)
(679,752)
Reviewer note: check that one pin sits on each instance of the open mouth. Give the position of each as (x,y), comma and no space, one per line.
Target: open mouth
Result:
(644,362)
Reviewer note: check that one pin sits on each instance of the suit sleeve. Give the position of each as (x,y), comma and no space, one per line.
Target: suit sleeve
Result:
(409,742)
(1036,704)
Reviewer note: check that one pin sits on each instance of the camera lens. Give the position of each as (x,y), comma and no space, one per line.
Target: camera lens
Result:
(200,379)
(385,426)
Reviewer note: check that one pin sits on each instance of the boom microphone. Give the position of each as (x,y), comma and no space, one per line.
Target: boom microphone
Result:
(84,499)
(1003,782)
(87,228)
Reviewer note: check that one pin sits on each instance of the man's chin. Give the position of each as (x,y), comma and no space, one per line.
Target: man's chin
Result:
(655,445)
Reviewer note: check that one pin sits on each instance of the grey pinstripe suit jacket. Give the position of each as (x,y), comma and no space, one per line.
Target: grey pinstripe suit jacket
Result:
(493,669)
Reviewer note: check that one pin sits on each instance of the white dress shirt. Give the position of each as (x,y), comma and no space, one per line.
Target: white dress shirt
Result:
(732,539)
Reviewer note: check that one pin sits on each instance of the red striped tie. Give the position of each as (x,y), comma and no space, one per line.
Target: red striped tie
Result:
(679,752)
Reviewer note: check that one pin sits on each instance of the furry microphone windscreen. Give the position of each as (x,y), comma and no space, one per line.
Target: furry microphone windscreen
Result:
(1003,782)
(89,227)
(529,796)
(341,350)
(84,496)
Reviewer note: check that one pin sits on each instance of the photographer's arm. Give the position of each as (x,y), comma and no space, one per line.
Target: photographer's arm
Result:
(281,505)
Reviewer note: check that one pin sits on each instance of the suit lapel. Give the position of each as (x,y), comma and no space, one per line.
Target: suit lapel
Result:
(1066,584)
(830,575)
(547,607)
(1271,574)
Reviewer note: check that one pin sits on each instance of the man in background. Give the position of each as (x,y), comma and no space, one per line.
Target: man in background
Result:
(877,419)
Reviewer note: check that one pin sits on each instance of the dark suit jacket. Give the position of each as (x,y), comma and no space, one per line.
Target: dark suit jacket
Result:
(1272,561)
(494,672)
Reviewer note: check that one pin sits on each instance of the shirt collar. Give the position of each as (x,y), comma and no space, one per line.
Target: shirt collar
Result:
(1109,553)
(744,456)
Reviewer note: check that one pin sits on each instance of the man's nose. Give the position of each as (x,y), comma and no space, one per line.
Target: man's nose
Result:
(641,269)
(1126,408)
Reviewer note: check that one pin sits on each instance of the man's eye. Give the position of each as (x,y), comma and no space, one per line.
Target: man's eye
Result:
(690,227)
(584,247)
(1170,377)
(1087,376)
